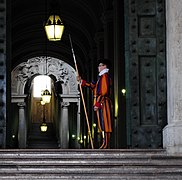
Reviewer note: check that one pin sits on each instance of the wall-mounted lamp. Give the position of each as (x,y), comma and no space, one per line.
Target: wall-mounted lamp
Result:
(94,125)
(73,136)
(123,92)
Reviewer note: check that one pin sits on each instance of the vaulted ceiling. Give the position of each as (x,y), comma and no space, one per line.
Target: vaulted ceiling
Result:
(82,20)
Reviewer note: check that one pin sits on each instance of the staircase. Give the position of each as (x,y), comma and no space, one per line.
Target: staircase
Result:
(42,140)
(94,164)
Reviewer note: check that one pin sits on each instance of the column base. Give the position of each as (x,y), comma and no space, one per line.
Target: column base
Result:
(172,140)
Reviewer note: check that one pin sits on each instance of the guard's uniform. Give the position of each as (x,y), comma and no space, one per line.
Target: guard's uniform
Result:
(102,92)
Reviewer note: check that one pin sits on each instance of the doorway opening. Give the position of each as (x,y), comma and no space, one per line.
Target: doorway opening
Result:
(42,115)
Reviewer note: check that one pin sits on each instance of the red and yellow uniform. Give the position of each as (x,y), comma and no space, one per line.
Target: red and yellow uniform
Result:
(102,92)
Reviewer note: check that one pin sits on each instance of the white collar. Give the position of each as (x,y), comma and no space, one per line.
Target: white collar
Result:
(103,72)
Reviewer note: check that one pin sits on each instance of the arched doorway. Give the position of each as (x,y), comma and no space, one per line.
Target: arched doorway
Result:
(63,77)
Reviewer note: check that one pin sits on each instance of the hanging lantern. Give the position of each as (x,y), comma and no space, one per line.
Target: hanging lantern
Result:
(46,96)
(54,28)
(43,127)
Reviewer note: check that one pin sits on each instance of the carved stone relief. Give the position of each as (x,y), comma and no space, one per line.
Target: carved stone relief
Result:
(62,71)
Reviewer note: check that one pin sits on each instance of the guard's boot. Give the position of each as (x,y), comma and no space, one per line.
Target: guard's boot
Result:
(106,141)
(107,137)
(103,140)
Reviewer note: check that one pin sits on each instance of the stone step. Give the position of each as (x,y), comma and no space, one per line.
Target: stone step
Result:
(89,164)
(42,140)
(83,169)
(90,177)
(84,153)
(45,144)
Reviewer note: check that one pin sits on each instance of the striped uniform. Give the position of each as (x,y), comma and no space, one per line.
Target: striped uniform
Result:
(102,91)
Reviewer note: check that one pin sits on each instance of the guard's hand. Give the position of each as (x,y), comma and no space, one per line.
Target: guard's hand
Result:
(78,78)
(95,108)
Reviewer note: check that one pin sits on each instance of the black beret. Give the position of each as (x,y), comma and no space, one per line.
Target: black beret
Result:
(106,62)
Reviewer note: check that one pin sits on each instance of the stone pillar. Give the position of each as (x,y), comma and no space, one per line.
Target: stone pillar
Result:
(172,133)
(78,124)
(64,126)
(22,132)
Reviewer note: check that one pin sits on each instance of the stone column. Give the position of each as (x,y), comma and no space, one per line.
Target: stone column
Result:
(78,124)
(172,133)
(22,132)
(64,126)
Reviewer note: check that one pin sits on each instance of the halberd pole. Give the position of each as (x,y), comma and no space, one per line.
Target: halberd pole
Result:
(81,92)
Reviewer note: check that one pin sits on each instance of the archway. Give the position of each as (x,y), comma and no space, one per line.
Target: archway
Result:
(62,74)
